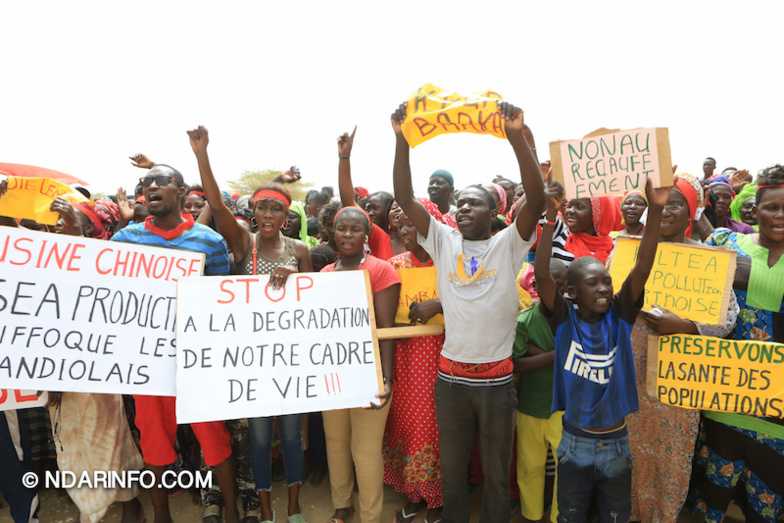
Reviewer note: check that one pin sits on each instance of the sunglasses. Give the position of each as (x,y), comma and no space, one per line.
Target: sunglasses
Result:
(160,180)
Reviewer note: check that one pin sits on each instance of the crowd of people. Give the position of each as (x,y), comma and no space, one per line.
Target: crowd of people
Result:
(495,400)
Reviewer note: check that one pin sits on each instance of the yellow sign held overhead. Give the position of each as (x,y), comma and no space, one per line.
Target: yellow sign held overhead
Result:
(432,111)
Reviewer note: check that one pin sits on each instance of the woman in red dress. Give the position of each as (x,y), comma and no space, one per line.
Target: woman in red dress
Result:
(411,458)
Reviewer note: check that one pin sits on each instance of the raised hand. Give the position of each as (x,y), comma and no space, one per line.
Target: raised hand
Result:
(513,117)
(554,198)
(126,209)
(141,161)
(199,138)
(69,221)
(398,117)
(546,167)
(346,142)
(290,175)
(656,197)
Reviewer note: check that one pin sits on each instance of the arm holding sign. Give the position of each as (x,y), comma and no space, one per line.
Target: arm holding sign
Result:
(8,221)
(657,197)
(236,236)
(545,283)
(522,141)
(385,304)
(401,174)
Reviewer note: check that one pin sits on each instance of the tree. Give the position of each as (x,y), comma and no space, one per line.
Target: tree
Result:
(250,180)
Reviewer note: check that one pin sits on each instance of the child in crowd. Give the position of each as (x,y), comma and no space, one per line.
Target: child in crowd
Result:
(593,380)
(537,427)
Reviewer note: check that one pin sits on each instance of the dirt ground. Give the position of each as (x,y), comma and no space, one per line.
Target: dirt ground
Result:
(316,503)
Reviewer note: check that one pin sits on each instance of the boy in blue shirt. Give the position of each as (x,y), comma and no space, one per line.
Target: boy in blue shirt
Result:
(593,381)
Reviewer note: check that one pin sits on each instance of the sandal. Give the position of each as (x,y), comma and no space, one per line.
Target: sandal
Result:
(212,514)
(408,517)
(269,520)
(335,519)
(252,516)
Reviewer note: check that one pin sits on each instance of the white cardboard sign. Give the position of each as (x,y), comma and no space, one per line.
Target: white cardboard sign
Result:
(246,350)
(86,315)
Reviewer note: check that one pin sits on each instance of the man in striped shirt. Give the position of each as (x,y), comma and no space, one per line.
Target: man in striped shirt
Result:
(166,227)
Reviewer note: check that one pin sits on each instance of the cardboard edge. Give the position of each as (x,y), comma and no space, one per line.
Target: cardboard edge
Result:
(664,155)
(651,372)
(374,331)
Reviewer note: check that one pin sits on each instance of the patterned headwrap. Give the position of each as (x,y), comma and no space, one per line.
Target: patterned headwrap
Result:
(718,179)
(637,192)
(98,217)
(501,196)
(110,206)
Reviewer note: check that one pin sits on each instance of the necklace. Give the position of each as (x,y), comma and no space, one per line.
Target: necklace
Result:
(361,262)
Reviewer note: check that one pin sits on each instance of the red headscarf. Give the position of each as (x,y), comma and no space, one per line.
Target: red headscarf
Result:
(98,218)
(606,216)
(688,192)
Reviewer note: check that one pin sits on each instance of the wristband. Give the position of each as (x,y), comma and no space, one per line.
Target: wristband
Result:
(388,380)
(548,222)
(344,156)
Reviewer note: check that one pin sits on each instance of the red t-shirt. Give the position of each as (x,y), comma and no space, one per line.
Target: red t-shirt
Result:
(380,243)
(382,275)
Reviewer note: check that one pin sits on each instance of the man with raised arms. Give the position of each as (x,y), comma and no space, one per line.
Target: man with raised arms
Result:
(476,283)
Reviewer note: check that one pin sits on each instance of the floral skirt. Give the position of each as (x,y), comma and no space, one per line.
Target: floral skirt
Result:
(411,458)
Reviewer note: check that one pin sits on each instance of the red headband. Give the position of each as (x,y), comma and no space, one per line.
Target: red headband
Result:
(360,209)
(271,193)
(197,192)
(770,186)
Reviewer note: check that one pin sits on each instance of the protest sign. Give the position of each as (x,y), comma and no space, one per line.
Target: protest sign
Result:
(432,111)
(693,281)
(417,285)
(307,347)
(702,372)
(85,315)
(11,399)
(31,198)
(612,162)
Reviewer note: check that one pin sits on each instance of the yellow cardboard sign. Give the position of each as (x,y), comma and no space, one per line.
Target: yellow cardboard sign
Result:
(692,281)
(432,111)
(702,372)
(31,198)
(612,162)
(417,285)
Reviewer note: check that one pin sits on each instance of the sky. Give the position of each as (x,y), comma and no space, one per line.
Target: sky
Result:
(84,85)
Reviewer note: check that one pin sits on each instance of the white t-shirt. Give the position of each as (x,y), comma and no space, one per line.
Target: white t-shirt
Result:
(478,290)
